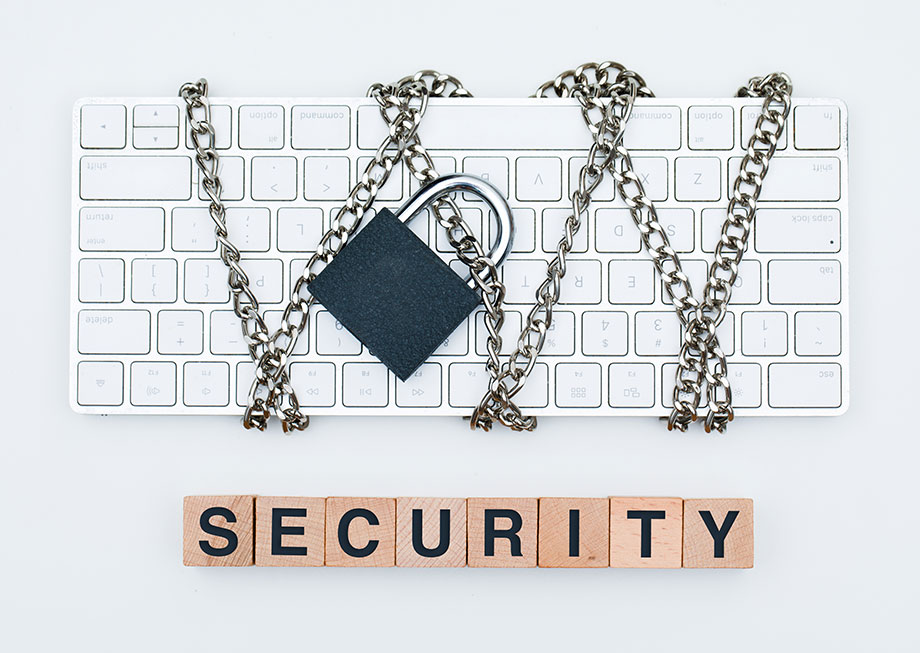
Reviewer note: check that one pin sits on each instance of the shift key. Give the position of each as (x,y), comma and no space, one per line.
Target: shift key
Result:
(796,179)
(135,178)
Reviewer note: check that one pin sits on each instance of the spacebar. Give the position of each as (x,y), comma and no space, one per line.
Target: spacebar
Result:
(135,178)
(475,127)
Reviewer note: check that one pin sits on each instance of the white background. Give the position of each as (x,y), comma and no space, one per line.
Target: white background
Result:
(90,529)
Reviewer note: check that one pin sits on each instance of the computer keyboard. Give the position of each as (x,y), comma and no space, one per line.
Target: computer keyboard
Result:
(152,331)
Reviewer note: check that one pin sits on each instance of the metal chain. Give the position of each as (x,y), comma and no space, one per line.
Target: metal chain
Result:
(402,106)
(701,358)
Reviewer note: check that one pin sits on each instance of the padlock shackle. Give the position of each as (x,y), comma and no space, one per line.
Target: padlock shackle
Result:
(468,184)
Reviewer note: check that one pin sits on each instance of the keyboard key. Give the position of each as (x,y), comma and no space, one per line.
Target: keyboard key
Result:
(156,138)
(581,283)
(554,229)
(365,384)
(817,333)
(245,373)
(193,230)
(100,383)
(422,389)
(521,279)
(539,178)
(468,382)
(764,334)
(658,333)
(560,337)
(653,128)
(493,169)
(261,127)
(615,231)
(653,173)
(711,128)
(114,332)
(632,282)
(206,384)
(744,379)
(632,385)
(156,115)
(697,178)
(273,323)
(745,291)
(797,230)
(605,190)
(334,339)
(510,331)
(103,126)
(135,177)
(817,128)
(102,280)
(274,178)
(227,334)
(314,383)
(265,279)
(112,229)
(797,178)
(726,334)
(804,282)
(320,127)
(457,343)
(154,280)
(524,225)
(153,384)
(180,332)
(445,165)
(206,282)
(221,120)
(749,115)
(326,177)
(392,190)
(678,225)
(578,385)
(232,179)
(536,390)
(300,229)
(248,228)
(603,333)
(473,218)
(805,385)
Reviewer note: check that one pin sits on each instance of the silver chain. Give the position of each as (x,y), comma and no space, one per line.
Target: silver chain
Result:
(402,106)
(701,359)
(606,92)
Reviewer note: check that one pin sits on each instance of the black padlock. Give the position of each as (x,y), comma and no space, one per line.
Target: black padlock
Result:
(393,293)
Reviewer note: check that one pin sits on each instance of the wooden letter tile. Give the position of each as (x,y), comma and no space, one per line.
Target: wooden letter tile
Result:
(501,532)
(645,532)
(290,531)
(360,532)
(430,532)
(719,533)
(217,531)
(573,532)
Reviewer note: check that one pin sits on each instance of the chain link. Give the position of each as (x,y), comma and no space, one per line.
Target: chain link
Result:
(402,106)
(606,92)
(701,361)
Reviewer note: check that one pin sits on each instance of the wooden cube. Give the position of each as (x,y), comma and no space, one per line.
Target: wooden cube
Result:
(573,532)
(719,533)
(290,531)
(501,532)
(646,532)
(360,532)
(430,532)
(217,531)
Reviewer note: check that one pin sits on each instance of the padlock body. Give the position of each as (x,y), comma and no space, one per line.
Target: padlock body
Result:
(394,294)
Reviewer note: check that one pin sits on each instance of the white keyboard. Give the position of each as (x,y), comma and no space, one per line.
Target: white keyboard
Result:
(152,331)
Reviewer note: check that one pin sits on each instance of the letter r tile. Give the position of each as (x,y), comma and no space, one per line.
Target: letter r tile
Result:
(217,531)
(719,533)
(501,532)
(430,532)
(360,532)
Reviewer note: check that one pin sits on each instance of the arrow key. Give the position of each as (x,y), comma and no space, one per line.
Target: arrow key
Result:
(156,138)
(102,126)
